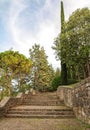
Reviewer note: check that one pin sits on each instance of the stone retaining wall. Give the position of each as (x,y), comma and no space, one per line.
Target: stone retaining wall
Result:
(9,102)
(78,98)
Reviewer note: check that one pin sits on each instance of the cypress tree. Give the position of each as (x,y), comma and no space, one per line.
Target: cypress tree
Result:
(63,65)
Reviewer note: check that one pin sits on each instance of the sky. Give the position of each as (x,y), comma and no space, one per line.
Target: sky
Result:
(26,22)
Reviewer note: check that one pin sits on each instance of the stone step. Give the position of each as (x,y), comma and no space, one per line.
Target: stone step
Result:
(38,116)
(41,111)
(42,103)
(41,98)
(46,112)
(44,100)
(24,107)
(33,108)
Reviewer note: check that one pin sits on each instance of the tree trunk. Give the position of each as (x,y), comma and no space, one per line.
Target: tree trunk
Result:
(63,73)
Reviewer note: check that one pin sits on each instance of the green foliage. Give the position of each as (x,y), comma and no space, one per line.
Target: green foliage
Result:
(57,72)
(63,63)
(76,42)
(56,82)
(72,81)
(25,87)
(42,72)
(13,67)
(57,48)
(62,17)
(72,46)
(58,44)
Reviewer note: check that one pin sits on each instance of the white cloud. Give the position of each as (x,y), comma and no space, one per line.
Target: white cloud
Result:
(16,8)
(46,37)
(48,29)
(24,39)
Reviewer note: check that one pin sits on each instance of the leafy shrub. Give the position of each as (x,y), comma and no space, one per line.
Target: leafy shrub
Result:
(55,83)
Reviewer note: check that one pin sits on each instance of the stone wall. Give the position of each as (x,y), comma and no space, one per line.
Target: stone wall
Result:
(78,98)
(9,102)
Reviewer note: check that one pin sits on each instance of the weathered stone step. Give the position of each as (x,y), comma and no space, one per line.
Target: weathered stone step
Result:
(41,99)
(39,108)
(24,107)
(42,103)
(43,96)
(44,112)
(41,111)
(39,116)
(37,98)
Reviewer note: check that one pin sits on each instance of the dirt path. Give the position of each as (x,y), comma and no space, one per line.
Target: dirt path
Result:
(41,124)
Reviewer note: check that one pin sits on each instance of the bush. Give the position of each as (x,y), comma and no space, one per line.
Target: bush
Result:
(55,83)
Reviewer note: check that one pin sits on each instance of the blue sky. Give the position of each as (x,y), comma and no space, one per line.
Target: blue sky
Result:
(25,22)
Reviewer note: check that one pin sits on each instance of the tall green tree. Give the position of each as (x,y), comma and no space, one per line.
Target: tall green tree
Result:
(78,39)
(41,71)
(63,63)
(76,43)
(58,47)
(72,46)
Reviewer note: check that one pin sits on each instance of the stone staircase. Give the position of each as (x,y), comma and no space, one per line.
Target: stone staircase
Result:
(41,105)
(42,99)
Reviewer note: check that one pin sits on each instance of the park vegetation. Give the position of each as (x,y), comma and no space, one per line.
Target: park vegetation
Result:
(42,72)
(18,73)
(72,47)
(14,72)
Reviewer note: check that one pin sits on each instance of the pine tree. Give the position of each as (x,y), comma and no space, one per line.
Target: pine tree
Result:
(14,72)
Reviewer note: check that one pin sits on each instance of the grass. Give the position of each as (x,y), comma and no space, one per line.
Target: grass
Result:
(71,85)
(86,126)
(73,124)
